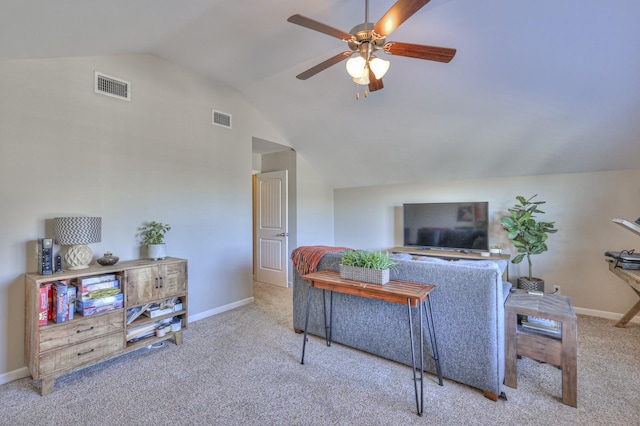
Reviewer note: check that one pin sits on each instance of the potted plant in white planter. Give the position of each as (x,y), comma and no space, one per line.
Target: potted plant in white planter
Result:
(528,236)
(368,266)
(152,234)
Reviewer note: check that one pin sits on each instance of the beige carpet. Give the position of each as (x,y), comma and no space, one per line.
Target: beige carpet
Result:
(243,367)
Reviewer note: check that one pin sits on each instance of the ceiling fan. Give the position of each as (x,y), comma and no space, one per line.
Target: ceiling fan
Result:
(367,38)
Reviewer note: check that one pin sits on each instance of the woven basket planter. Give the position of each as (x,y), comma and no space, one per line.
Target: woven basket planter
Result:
(367,275)
(531,284)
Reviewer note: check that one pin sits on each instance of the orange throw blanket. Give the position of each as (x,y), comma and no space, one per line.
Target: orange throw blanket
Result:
(306,258)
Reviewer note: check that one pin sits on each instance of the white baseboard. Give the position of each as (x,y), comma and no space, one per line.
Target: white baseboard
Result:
(221,309)
(10,376)
(604,314)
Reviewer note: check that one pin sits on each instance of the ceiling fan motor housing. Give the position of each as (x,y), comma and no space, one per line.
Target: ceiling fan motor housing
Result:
(364,37)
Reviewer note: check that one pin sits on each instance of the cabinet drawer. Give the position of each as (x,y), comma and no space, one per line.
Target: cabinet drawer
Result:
(80,329)
(59,360)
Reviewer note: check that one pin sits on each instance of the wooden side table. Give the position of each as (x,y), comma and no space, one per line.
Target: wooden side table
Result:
(561,352)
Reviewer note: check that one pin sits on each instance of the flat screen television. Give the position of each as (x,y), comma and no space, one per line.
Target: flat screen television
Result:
(447,226)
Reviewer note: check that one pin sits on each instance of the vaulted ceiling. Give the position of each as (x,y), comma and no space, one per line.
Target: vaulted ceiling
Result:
(536,87)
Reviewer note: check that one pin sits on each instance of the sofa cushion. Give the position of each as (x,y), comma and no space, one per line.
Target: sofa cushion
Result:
(429,259)
(501,264)
(400,256)
(506,289)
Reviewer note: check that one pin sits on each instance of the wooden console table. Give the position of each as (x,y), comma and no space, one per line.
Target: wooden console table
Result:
(396,291)
(561,352)
(454,255)
(631,277)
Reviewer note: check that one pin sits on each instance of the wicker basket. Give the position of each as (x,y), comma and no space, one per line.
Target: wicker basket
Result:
(531,284)
(367,275)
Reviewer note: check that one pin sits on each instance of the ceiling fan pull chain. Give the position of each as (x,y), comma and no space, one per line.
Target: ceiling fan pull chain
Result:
(357,93)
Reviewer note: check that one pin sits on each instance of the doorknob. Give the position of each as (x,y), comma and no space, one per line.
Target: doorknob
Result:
(284,234)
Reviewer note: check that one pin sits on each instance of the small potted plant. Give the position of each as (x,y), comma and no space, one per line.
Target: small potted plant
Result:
(528,236)
(152,234)
(368,266)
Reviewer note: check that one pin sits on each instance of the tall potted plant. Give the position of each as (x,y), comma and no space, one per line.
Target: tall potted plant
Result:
(152,234)
(528,236)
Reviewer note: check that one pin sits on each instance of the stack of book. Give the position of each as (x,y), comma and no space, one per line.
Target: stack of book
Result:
(56,302)
(542,324)
(97,294)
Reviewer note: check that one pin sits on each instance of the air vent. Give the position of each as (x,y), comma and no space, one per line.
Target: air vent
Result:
(221,119)
(111,86)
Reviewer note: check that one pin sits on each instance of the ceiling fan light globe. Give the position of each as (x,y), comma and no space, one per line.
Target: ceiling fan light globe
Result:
(355,66)
(379,67)
(362,79)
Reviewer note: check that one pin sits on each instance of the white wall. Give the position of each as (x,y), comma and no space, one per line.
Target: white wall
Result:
(65,150)
(315,207)
(582,205)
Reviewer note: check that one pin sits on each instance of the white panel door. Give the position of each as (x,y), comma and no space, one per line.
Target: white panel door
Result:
(271,228)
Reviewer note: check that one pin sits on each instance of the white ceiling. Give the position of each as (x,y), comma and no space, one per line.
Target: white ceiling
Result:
(536,86)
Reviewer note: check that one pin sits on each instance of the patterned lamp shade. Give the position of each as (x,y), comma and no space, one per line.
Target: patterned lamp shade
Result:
(78,230)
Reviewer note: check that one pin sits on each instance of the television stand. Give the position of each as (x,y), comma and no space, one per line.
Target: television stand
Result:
(454,255)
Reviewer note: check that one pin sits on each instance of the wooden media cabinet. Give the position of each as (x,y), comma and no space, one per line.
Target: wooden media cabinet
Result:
(55,349)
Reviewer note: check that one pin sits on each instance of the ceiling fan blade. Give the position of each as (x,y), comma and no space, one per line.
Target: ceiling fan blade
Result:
(324,65)
(419,51)
(399,12)
(374,83)
(318,26)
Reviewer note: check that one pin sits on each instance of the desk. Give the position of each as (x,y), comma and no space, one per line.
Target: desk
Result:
(631,277)
(537,345)
(408,293)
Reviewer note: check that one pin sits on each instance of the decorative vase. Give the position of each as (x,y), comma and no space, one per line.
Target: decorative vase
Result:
(367,275)
(534,283)
(157,251)
(78,256)
(108,259)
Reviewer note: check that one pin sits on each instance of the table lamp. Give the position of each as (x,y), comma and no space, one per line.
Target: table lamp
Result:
(77,232)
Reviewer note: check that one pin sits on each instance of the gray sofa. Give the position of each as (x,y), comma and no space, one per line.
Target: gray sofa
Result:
(468,312)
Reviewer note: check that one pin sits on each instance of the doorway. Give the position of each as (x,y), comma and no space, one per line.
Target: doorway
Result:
(271,250)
